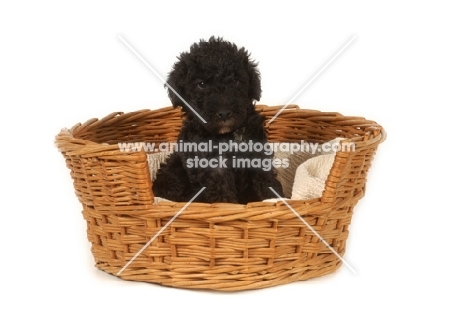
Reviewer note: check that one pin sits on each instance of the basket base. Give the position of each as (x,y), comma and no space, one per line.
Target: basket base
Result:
(220,279)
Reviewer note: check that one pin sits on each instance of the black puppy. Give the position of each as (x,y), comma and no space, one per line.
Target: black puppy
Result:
(218,83)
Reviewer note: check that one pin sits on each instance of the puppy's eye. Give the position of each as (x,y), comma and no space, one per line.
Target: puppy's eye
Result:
(202,85)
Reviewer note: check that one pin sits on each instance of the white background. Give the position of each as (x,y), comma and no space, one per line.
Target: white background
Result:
(407,69)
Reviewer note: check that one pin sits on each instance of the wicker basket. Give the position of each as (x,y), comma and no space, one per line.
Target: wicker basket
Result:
(216,246)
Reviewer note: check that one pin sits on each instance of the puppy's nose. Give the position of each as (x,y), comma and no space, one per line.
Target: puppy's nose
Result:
(224,114)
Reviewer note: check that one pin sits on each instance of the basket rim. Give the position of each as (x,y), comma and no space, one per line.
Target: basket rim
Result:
(67,142)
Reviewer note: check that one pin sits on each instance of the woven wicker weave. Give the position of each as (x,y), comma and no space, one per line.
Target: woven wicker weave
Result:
(216,246)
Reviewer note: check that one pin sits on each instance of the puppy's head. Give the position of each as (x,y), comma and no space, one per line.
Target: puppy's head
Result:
(219,81)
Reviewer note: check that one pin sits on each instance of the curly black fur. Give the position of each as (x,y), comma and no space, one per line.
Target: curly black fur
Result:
(220,83)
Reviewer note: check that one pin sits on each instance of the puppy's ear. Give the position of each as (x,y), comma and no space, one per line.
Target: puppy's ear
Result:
(255,89)
(176,81)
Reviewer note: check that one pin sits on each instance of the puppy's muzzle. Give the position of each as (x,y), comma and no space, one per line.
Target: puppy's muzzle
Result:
(224,114)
